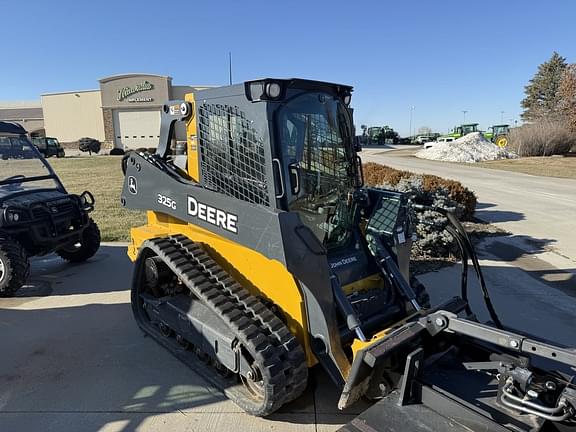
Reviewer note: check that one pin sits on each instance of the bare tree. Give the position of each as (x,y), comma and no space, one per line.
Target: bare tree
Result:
(568,96)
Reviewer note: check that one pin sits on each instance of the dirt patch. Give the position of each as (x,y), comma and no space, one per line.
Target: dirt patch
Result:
(103,177)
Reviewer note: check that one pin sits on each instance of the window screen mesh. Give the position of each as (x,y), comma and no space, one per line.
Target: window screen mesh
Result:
(232,154)
(323,149)
(385,216)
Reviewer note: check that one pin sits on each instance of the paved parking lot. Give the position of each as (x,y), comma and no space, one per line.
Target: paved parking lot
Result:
(74,360)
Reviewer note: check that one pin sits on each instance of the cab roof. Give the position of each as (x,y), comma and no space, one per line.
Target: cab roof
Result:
(11,128)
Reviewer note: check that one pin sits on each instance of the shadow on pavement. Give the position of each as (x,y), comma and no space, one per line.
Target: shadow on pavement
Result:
(108,271)
(520,302)
(512,247)
(484,205)
(499,215)
(82,361)
(522,252)
(78,362)
(91,359)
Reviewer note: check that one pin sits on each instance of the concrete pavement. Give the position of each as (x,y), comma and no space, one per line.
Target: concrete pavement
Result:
(74,360)
(540,302)
(540,211)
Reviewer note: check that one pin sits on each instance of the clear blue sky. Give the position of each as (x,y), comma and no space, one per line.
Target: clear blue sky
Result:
(441,57)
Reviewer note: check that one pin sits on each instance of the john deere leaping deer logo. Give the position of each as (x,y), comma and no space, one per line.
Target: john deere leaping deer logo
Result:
(132,185)
(124,92)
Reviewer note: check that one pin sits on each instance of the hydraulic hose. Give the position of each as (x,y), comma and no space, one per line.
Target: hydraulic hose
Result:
(459,233)
(464,277)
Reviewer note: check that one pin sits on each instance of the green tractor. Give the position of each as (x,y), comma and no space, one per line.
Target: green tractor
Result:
(459,131)
(464,129)
(382,135)
(498,134)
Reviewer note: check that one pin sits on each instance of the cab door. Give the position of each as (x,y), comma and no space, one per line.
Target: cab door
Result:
(318,163)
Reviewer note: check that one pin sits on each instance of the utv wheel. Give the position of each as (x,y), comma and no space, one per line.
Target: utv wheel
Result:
(87,246)
(14,267)
(117,152)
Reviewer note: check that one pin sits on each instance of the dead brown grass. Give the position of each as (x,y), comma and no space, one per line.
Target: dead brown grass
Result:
(102,176)
(554,166)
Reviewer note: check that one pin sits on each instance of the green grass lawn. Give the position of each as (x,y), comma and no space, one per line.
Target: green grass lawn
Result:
(102,176)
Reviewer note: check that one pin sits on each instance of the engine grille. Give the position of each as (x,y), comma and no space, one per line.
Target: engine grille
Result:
(232,154)
(55,208)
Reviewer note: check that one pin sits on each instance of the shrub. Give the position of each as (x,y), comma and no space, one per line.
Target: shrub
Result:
(541,138)
(432,238)
(90,145)
(378,175)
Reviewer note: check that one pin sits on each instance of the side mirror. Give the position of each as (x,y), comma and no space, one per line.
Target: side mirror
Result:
(294,172)
(357,144)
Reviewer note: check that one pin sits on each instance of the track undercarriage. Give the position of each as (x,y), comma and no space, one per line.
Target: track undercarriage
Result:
(189,304)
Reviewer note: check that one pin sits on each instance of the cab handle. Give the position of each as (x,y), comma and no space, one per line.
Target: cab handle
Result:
(276,162)
(294,171)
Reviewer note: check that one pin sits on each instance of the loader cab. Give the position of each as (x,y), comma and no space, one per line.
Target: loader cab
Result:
(499,129)
(465,129)
(319,176)
(289,145)
(315,144)
(286,144)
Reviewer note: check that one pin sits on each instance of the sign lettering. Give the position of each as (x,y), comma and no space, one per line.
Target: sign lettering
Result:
(124,92)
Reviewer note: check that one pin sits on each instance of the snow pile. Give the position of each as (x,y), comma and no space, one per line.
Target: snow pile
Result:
(469,148)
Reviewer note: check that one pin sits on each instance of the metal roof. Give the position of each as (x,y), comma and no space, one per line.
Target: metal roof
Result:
(20,113)
(20,104)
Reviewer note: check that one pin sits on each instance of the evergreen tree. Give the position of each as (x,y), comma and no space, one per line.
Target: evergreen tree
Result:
(568,96)
(542,93)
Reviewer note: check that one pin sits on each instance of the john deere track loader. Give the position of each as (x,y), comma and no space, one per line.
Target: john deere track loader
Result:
(264,255)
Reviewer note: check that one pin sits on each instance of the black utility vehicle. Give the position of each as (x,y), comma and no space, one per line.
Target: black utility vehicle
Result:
(37,215)
(49,146)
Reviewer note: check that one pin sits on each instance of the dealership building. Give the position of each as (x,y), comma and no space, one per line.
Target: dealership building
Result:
(26,113)
(124,112)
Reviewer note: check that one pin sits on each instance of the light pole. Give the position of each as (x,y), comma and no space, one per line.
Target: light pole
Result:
(501,116)
(464,112)
(411,111)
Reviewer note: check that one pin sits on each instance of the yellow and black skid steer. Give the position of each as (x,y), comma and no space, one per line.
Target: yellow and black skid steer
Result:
(264,255)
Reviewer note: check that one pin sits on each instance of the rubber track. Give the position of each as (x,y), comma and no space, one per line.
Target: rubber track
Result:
(276,352)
